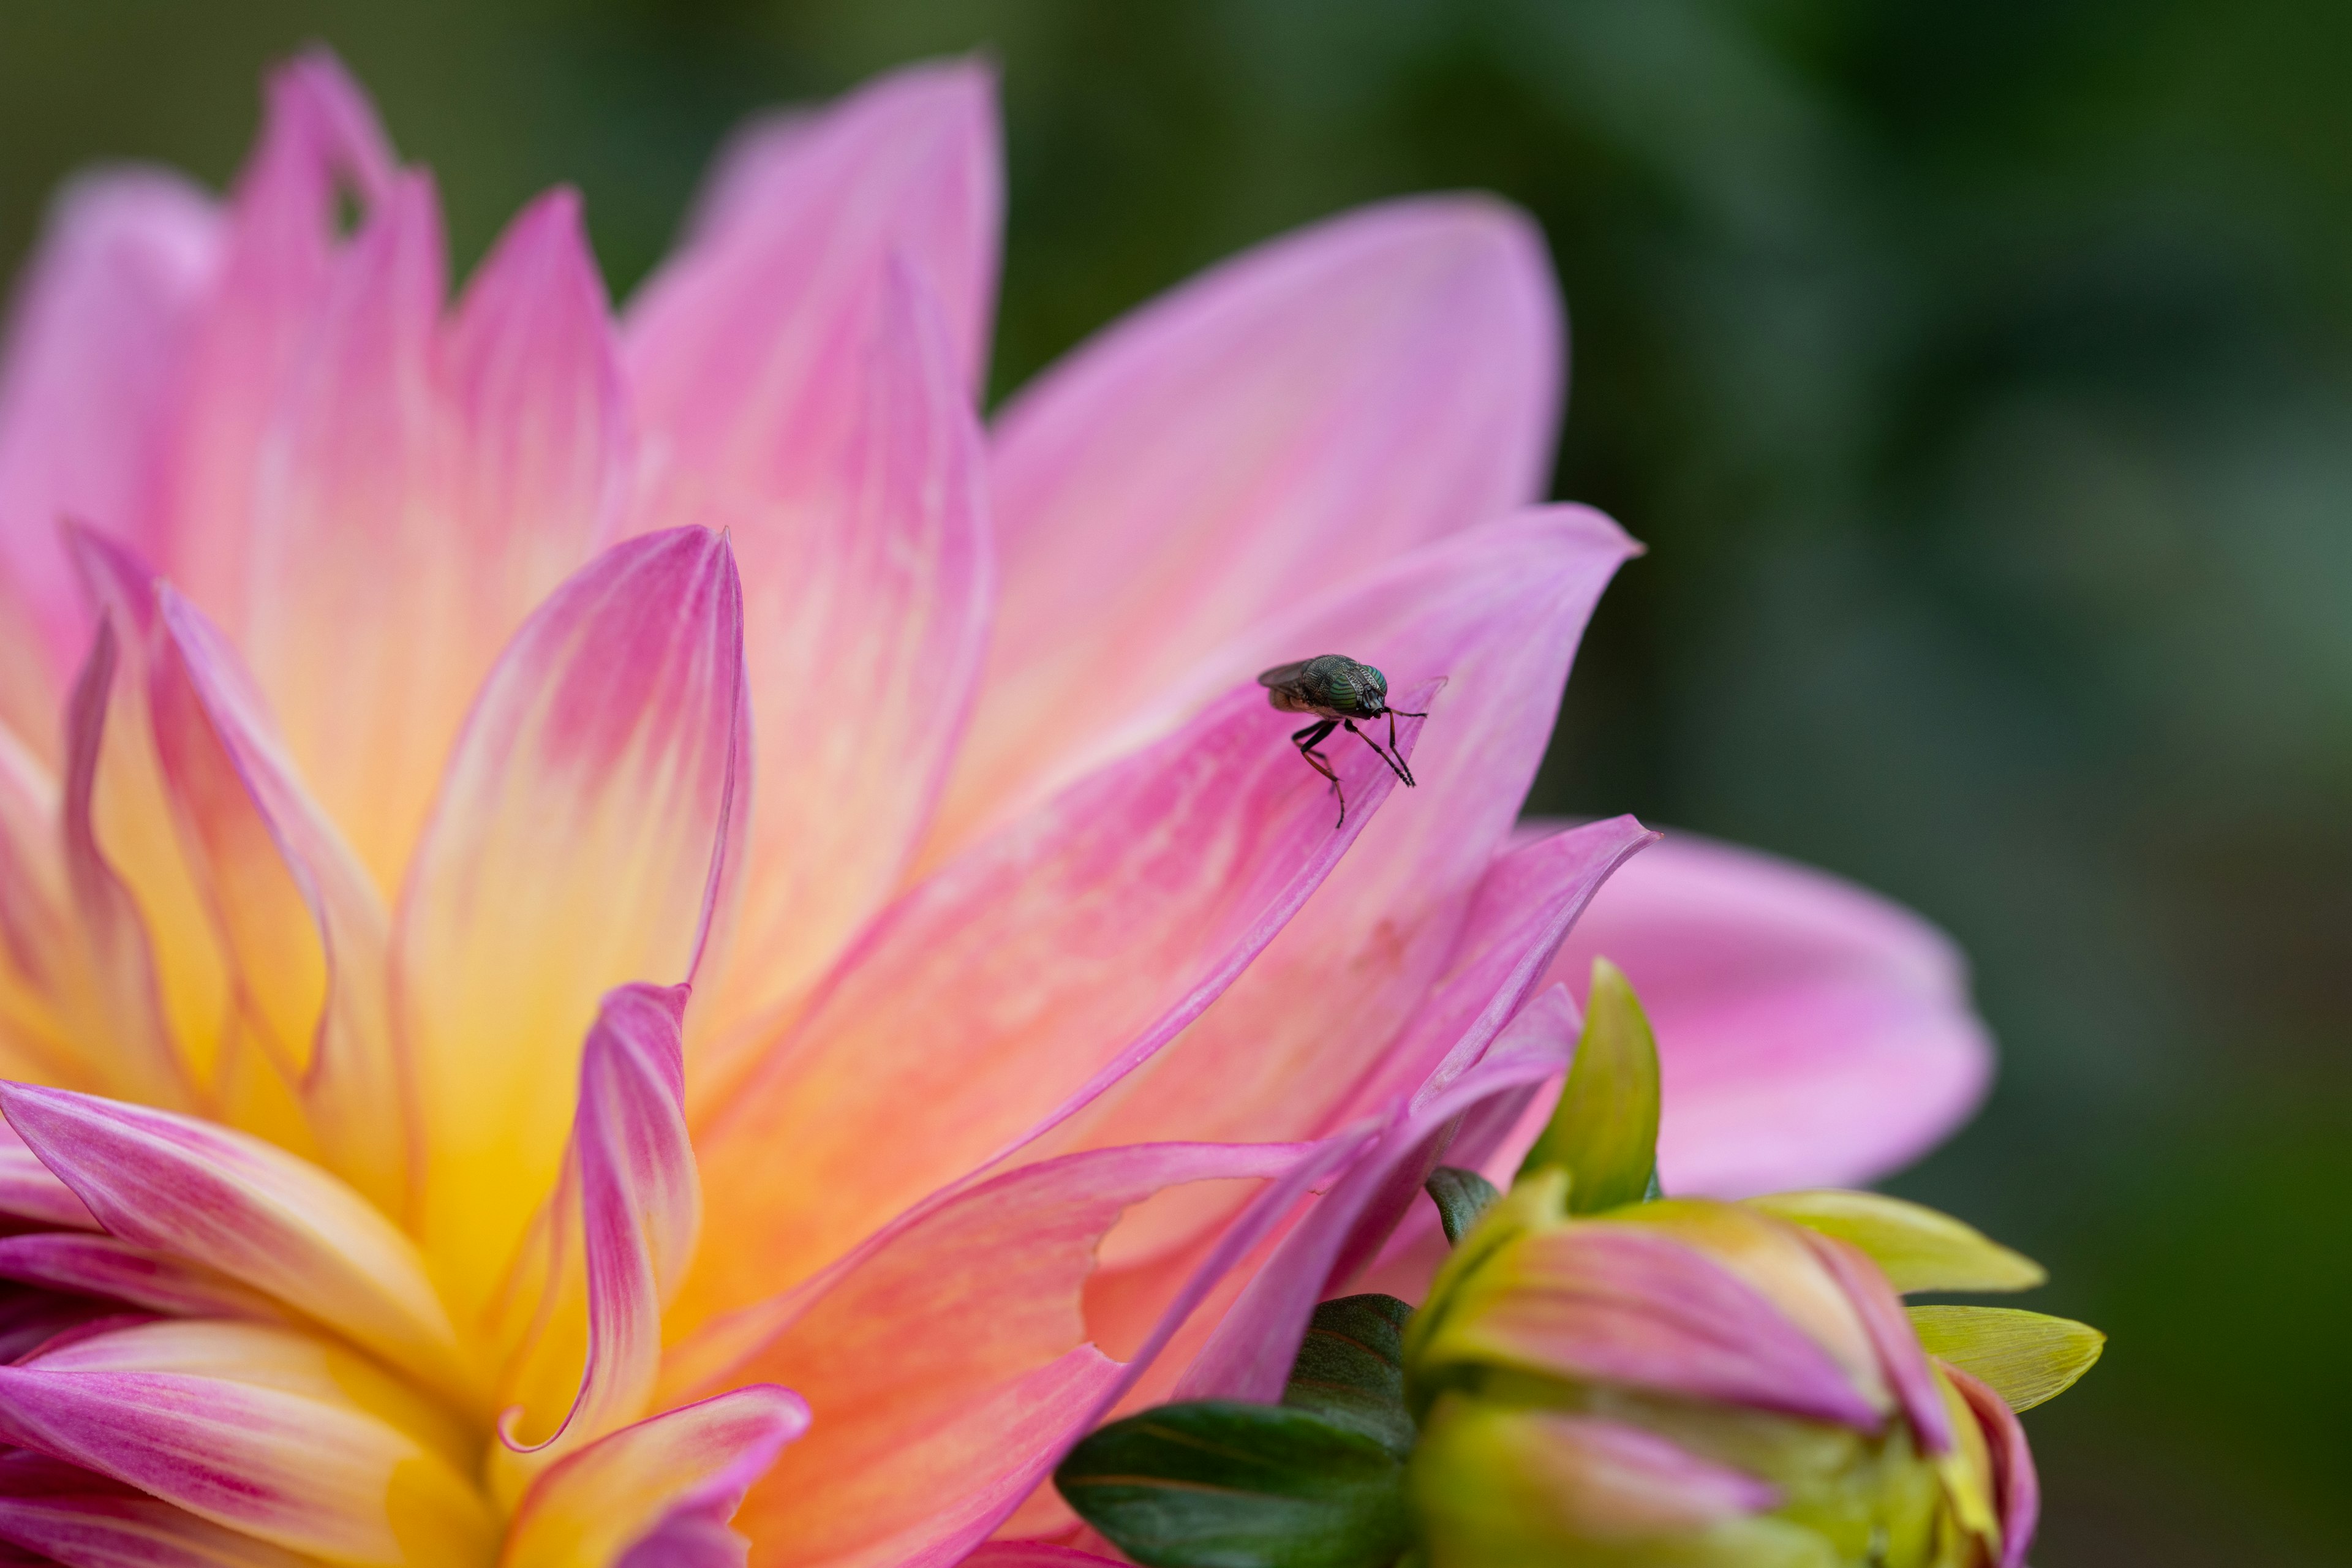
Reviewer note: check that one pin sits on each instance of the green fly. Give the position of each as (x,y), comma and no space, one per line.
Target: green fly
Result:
(1338,690)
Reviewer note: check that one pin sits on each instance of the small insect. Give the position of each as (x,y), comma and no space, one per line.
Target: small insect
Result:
(1339,691)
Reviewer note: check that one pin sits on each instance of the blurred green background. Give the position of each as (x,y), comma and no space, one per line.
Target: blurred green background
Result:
(1981,379)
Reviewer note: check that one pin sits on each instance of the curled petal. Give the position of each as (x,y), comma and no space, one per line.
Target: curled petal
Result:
(1002,995)
(249,1210)
(578,844)
(96,341)
(658,1494)
(2017,1488)
(629,1210)
(1903,1364)
(1810,1033)
(1301,415)
(260,1429)
(296,911)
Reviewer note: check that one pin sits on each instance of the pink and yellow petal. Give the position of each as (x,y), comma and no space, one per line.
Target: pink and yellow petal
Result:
(658,1494)
(999,997)
(578,844)
(247,1209)
(866,595)
(262,1430)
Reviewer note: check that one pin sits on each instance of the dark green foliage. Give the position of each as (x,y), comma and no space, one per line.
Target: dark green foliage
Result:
(1461,1197)
(1350,1369)
(1218,1484)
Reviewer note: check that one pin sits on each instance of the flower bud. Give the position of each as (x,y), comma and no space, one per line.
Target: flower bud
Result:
(1686,1383)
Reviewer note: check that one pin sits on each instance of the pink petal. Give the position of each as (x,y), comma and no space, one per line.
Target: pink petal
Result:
(1810,1033)
(1249,1354)
(725,340)
(1614,1304)
(1035,1554)
(867,605)
(97,339)
(263,1430)
(197,1191)
(1521,913)
(295,909)
(1496,611)
(577,845)
(100,1525)
(1010,989)
(922,1440)
(354,545)
(1296,417)
(658,1494)
(2017,1488)
(319,139)
(1900,1359)
(630,1208)
(101,1266)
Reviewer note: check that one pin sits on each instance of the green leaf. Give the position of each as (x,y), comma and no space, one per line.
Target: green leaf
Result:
(1605,1130)
(1216,1484)
(1461,1197)
(2027,1358)
(1915,1248)
(1350,1369)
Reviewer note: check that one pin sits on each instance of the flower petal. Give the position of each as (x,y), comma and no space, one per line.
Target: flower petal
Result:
(198,1191)
(102,1266)
(577,845)
(39,956)
(1520,913)
(97,339)
(354,545)
(1900,1359)
(1249,1356)
(1608,1302)
(1002,995)
(867,603)
(724,343)
(80,1519)
(921,1441)
(1810,1033)
(2016,1486)
(1299,415)
(262,1429)
(296,909)
(1496,611)
(657,1494)
(629,1211)
(319,140)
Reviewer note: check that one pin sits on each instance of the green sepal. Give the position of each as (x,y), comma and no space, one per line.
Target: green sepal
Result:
(1219,1484)
(2027,1358)
(1461,1196)
(1350,1369)
(1604,1133)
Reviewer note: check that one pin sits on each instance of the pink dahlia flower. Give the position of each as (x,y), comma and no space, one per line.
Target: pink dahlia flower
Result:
(596,871)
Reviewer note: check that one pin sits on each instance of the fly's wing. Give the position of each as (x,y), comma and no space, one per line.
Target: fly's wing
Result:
(1283,675)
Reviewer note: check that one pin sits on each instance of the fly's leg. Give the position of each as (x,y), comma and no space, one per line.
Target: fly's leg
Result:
(1396,764)
(1306,740)
(1393,717)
